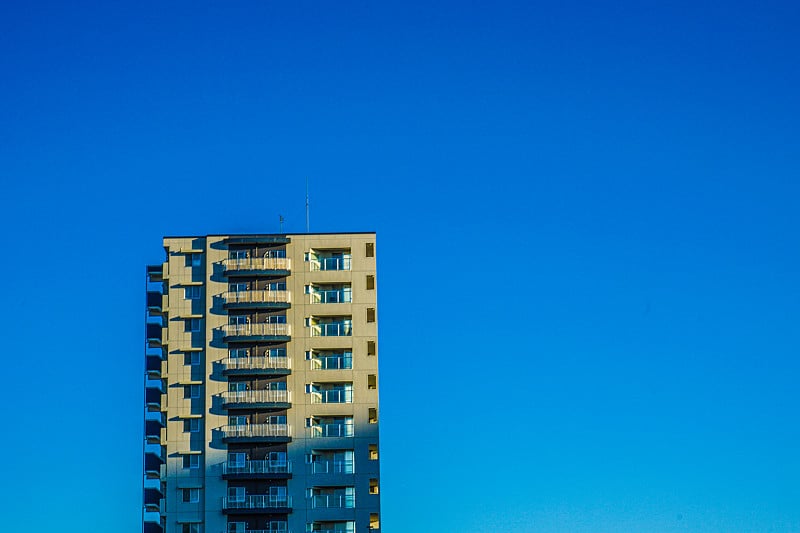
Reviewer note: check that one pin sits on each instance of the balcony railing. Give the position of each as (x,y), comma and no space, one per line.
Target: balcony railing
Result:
(331,263)
(332,362)
(257,467)
(257,329)
(332,467)
(332,396)
(257,501)
(261,531)
(257,396)
(333,501)
(257,430)
(333,329)
(258,263)
(256,297)
(332,430)
(257,363)
(334,296)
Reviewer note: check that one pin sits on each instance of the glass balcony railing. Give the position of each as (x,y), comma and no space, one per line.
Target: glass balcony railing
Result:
(257,396)
(256,363)
(281,530)
(333,329)
(257,430)
(257,467)
(257,501)
(331,263)
(332,362)
(332,396)
(258,263)
(333,296)
(332,467)
(332,430)
(244,330)
(256,297)
(333,501)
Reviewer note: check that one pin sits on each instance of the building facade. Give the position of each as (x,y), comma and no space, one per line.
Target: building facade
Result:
(261,385)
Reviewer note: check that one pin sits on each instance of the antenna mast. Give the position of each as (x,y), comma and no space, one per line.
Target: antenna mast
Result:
(308,230)
(280,218)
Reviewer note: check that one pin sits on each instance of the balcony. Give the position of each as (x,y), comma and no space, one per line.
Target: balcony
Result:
(257,239)
(333,501)
(284,530)
(331,430)
(153,423)
(257,502)
(153,334)
(154,301)
(257,470)
(335,361)
(331,296)
(343,328)
(258,266)
(154,388)
(332,467)
(332,396)
(257,433)
(256,366)
(257,300)
(257,399)
(256,332)
(331,263)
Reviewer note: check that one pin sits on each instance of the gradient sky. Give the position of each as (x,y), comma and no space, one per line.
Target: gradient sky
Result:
(598,201)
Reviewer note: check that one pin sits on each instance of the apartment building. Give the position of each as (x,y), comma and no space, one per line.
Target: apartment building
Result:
(261,385)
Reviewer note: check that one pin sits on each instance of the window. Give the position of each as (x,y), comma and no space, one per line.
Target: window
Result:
(190,528)
(191,495)
(236,353)
(372,381)
(192,293)
(236,494)
(369,250)
(191,358)
(237,287)
(371,348)
(238,386)
(238,254)
(191,391)
(370,282)
(236,459)
(373,415)
(370,314)
(191,461)
(237,420)
(277,459)
(191,425)
(237,527)
(373,486)
(193,325)
(196,259)
(373,452)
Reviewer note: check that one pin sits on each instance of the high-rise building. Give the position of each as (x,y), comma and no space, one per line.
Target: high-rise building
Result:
(261,385)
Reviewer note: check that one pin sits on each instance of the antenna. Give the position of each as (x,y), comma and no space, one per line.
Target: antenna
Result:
(280,218)
(308,230)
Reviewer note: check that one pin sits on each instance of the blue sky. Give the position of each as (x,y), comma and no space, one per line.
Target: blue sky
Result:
(603,197)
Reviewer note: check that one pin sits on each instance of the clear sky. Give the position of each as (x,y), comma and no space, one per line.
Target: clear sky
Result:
(600,197)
